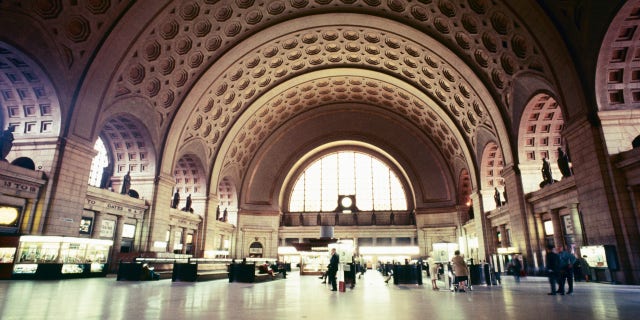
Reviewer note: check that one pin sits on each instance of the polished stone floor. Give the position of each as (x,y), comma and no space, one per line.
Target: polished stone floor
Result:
(305,297)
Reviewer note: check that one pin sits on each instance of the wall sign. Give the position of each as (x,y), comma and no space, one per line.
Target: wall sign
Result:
(568,224)
(107,228)
(86,225)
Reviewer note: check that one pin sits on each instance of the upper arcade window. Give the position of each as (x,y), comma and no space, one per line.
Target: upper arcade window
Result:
(99,163)
(370,182)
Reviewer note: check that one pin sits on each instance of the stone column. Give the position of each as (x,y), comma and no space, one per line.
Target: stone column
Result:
(482,226)
(558,240)
(117,240)
(578,232)
(206,239)
(517,208)
(540,245)
(184,241)
(65,200)
(98,217)
(503,236)
(157,218)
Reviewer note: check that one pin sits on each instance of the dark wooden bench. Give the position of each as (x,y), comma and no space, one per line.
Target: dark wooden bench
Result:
(200,269)
(407,274)
(133,271)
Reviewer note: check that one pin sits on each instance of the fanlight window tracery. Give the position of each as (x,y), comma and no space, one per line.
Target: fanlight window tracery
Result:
(375,185)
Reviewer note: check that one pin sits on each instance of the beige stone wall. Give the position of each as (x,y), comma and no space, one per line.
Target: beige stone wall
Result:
(619,127)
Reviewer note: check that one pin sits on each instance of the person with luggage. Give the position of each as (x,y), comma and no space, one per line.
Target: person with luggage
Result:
(460,271)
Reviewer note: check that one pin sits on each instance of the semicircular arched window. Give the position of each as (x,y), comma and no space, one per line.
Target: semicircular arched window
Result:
(374,185)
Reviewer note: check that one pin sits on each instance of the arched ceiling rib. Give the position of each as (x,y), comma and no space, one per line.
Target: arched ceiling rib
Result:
(317,89)
(190,38)
(242,77)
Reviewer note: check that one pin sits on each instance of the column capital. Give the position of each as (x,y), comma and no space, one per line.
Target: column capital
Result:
(163,178)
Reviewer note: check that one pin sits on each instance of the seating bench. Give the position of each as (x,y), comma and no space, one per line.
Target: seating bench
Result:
(200,270)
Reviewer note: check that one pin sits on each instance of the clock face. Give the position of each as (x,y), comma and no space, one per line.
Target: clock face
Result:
(346,202)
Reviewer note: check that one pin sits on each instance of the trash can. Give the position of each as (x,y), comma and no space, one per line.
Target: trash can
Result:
(475,274)
(487,274)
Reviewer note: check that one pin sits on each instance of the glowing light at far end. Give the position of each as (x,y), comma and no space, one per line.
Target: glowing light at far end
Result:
(8,215)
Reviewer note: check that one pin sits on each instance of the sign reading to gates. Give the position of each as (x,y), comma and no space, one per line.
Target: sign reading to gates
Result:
(104,206)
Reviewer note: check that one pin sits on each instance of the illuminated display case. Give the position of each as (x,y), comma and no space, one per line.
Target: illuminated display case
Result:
(7,255)
(8,248)
(43,257)
(602,259)
(313,263)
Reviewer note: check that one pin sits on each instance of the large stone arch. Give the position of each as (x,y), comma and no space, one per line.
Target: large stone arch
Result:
(223,102)
(270,172)
(491,171)
(617,82)
(133,151)
(540,136)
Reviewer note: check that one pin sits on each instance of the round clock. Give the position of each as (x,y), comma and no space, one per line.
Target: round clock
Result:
(346,202)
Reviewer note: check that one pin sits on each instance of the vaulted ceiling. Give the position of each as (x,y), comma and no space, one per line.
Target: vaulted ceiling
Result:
(216,80)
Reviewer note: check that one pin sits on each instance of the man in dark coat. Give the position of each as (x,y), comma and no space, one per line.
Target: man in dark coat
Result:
(333,269)
(552,265)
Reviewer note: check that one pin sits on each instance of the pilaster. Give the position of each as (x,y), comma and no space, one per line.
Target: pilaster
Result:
(159,215)
(482,228)
(66,197)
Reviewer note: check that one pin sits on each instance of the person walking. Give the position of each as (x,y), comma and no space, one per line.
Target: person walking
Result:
(333,269)
(433,272)
(516,268)
(460,271)
(567,259)
(552,264)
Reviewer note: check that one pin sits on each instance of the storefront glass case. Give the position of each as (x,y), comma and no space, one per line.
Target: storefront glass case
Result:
(75,256)
(313,263)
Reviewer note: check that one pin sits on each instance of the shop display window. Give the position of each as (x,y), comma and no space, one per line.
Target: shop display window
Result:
(97,253)
(7,255)
(596,256)
(38,252)
(72,268)
(73,252)
(35,249)
(27,268)
(314,262)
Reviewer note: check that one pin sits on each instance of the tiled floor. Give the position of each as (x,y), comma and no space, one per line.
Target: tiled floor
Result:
(304,297)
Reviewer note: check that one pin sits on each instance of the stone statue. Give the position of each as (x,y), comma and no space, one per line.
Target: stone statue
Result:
(319,220)
(563,164)
(6,143)
(187,206)
(547,178)
(392,218)
(176,200)
(504,195)
(218,213)
(126,183)
(355,219)
(496,197)
(373,218)
(224,215)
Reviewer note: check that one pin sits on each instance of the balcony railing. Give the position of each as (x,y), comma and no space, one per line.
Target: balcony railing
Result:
(362,218)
